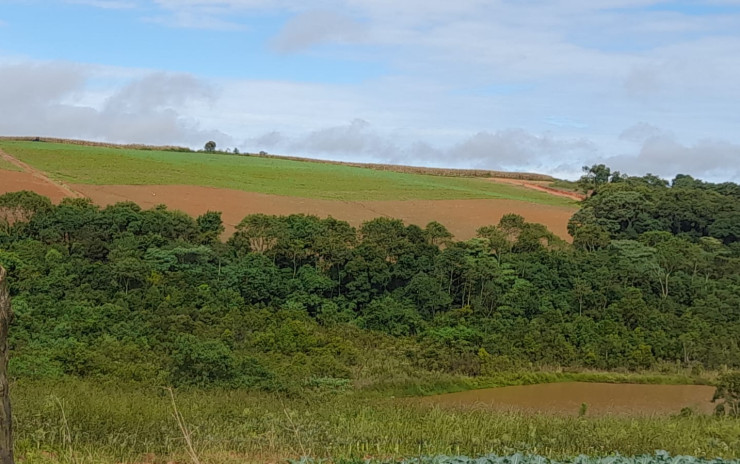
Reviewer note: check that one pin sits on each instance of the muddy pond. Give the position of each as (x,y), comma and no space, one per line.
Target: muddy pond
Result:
(600,398)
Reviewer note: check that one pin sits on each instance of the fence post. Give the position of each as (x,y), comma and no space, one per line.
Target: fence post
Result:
(6,422)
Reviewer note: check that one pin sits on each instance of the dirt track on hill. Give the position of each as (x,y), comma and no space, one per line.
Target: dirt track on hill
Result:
(461,217)
(542,186)
(32,179)
(12,181)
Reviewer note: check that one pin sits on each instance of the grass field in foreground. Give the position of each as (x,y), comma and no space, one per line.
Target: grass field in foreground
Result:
(91,421)
(114,166)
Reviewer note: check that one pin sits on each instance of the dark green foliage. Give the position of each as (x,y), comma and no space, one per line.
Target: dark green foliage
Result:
(653,277)
(691,209)
(728,394)
(391,316)
(210,227)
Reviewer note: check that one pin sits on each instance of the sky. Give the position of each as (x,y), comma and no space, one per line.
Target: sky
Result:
(644,86)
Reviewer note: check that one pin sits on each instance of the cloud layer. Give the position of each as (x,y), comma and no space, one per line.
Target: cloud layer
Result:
(48,99)
(645,85)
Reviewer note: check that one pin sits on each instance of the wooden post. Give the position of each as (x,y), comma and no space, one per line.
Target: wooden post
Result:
(6,422)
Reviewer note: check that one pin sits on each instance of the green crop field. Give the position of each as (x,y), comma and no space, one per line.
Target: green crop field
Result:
(108,166)
(8,166)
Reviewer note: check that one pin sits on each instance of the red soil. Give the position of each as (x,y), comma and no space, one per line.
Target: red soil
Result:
(12,181)
(32,179)
(461,217)
(542,187)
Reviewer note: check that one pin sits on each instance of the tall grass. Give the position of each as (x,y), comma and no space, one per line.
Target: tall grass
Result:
(83,421)
(385,376)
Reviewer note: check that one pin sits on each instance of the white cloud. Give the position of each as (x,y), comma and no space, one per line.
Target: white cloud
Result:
(662,154)
(53,99)
(475,83)
(517,148)
(641,132)
(313,27)
(514,149)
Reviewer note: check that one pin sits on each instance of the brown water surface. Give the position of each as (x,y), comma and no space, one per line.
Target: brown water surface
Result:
(601,398)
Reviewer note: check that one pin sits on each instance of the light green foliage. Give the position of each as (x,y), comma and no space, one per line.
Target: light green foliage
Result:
(97,165)
(112,422)
(8,166)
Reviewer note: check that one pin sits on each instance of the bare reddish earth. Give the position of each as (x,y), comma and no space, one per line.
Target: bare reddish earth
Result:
(12,181)
(542,186)
(461,217)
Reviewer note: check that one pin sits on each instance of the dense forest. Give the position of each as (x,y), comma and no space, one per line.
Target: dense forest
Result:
(652,278)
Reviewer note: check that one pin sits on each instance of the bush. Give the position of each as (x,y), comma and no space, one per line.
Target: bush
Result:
(728,393)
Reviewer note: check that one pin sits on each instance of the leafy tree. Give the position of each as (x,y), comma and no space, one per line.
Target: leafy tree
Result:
(210,227)
(594,177)
(437,234)
(534,237)
(726,227)
(591,237)
(386,235)
(511,224)
(210,146)
(428,295)
(201,363)
(497,239)
(21,206)
(334,244)
(297,244)
(391,316)
(259,233)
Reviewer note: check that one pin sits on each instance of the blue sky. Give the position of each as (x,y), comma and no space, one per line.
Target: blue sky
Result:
(547,86)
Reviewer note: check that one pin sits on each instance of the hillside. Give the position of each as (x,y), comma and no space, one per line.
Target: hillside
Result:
(448,172)
(303,335)
(241,185)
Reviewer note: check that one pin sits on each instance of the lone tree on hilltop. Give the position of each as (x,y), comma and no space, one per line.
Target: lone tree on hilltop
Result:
(6,423)
(210,146)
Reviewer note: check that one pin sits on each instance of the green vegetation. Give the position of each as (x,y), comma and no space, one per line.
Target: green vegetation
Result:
(292,313)
(728,394)
(661,457)
(152,296)
(83,421)
(565,185)
(8,166)
(114,166)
